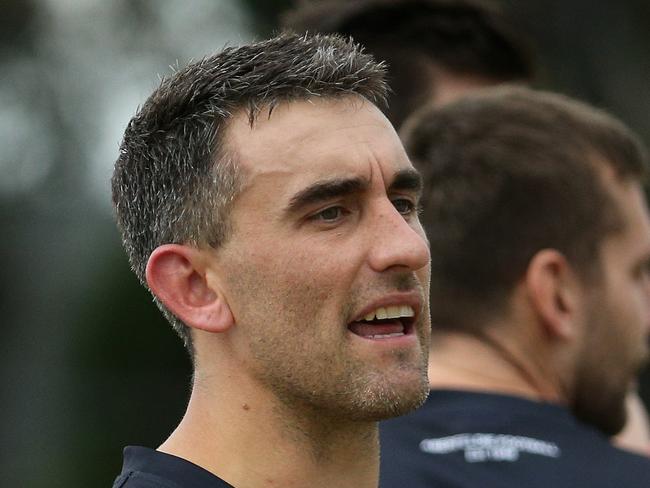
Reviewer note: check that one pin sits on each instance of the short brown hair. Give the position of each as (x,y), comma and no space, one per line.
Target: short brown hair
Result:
(510,171)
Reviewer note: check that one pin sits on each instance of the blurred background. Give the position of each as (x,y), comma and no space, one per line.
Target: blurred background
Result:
(88,365)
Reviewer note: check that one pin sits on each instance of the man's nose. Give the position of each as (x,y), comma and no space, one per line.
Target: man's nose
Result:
(397,241)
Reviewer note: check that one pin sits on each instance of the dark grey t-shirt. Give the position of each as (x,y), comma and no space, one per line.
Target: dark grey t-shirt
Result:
(460,439)
(147,468)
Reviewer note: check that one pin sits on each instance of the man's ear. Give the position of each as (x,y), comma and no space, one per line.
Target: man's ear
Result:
(176,274)
(554,292)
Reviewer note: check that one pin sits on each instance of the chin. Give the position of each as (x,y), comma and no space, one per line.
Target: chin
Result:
(388,400)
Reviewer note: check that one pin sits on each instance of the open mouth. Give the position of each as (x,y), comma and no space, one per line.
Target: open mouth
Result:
(385,323)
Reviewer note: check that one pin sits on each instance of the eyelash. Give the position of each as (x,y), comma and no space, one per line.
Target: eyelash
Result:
(320,215)
(412,207)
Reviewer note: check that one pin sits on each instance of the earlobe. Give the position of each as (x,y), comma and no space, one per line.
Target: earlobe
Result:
(176,274)
(552,290)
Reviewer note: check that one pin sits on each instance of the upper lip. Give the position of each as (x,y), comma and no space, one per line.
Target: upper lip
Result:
(410,298)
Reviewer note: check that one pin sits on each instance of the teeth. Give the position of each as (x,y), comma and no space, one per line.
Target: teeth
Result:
(385,336)
(406,311)
(392,312)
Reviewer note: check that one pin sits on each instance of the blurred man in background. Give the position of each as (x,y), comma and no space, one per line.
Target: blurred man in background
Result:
(540,295)
(436,50)
(270,207)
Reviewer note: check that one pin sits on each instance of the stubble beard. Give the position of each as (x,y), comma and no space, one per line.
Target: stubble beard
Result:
(306,359)
(600,400)
(344,388)
(604,410)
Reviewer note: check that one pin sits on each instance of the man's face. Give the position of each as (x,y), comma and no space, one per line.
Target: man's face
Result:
(326,241)
(615,344)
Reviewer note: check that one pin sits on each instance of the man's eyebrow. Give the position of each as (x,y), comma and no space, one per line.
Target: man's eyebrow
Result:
(326,190)
(407,179)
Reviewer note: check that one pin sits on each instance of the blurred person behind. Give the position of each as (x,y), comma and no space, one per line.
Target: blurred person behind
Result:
(436,50)
(540,295)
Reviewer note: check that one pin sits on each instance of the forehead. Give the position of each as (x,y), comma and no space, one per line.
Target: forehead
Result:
(311,140)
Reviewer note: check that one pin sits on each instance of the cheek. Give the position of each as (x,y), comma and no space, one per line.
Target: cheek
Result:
(643,301)
(424,275)
(629,304)
(636,313)
(287,282)
(323,269)
(302,276)
(629,332)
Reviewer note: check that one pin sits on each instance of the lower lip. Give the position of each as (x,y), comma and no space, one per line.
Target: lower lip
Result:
(407,339)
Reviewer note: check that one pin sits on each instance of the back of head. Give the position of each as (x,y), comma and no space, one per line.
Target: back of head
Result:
(175,177)
(418,37)
(509,172)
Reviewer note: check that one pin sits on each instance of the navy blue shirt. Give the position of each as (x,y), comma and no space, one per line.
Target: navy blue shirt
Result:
(460,439)
(146,468)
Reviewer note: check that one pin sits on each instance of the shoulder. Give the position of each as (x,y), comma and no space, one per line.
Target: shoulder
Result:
(148,468)
(142,480)
(463,439)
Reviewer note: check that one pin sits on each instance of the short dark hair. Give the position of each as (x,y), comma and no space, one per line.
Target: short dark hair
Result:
(174,180)
(510,171)
(465,37)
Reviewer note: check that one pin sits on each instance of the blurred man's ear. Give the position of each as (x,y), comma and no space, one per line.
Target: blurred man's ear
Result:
(176,274)
(554,292)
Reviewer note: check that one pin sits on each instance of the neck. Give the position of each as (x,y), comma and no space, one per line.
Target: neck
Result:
(255,440)
(487,362)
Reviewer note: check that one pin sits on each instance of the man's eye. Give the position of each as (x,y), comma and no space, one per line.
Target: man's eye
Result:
(404,205)
(330,214)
